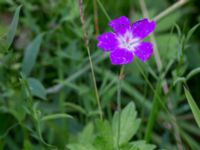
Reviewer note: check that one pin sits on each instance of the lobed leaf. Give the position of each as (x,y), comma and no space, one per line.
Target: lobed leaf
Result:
(129,125)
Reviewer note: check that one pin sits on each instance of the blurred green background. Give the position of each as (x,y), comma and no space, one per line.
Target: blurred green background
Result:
(46,90)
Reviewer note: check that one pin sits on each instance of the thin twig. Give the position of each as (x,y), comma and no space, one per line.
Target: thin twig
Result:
(82,18)
(166,12)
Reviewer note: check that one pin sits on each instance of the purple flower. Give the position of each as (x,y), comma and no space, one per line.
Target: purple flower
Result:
(127,40)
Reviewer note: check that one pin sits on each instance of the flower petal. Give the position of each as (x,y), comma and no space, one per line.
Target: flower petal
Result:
(142,28)
(144,51)
(107,41)
(121,56)
(120,25)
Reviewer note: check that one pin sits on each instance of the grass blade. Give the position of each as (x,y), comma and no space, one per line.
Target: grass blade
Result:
(153,114)
(31,54)
(13,26)
(193,106)
(56,116)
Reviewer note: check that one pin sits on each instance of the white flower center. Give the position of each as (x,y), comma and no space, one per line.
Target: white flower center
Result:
(127,41)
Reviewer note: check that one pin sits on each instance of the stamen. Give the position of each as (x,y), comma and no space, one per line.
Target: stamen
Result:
(127,41)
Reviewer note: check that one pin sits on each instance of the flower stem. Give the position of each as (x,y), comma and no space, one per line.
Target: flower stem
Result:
(82,18)
(120,78)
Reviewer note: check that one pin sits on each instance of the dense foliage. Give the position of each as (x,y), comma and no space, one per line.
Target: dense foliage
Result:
(47,94)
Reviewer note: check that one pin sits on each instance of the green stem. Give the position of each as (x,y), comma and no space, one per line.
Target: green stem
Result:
(157,95)
(86,40)
(61,78)
(119,112)
(62,94)
(169,10)
(153,114)
(103,9)
(120,78)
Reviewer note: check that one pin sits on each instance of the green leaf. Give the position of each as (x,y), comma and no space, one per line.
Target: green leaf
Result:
(31,54)
(193,55)
(37,89)
(87,136)
(193,72)
(104,136)
(141,145)
(193,106)
(73,12)
(189,35)
(27,144)
(3,30)
(3,45)
(77,146)
(55,116)
(189,75)
(192,143)
(128,124)
(74,107)
(168,45)
(178,30)
(13,26)
(189,127)
(179,80)
(8,122)
(167,22)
